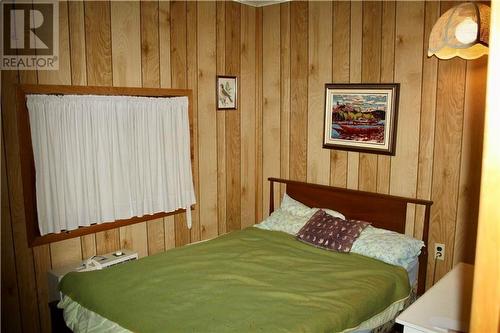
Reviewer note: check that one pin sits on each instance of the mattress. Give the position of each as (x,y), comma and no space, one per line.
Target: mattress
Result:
(251,281)
(85,320)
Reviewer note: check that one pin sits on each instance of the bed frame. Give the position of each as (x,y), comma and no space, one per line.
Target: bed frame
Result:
(382,210)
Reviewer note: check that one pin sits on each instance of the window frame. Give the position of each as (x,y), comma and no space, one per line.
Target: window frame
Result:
(28,164)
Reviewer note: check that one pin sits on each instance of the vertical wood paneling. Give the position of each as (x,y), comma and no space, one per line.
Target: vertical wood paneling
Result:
(178,59)
(447,154)
(259,211)
(320,72)
(165,82)
(340,74)
(370,73)
(98,43)
(11,311)
(408,71)
(248,116)
(207,66)
(446,171)
(427,119)
(285,93)
(41,259)
(298,89)
(271,98)
(221,119)
(126,45)
(192,83)
(150,46)
(472,147)
(355,77)
(78,59)
(233,134)
(164,43)
(63,75)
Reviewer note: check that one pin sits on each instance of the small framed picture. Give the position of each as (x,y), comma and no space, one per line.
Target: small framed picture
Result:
(361,117)
(227,92)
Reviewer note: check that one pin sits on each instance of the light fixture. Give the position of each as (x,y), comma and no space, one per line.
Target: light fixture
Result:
(462,31)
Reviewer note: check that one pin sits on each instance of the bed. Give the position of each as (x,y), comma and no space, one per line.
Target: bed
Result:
(255,280)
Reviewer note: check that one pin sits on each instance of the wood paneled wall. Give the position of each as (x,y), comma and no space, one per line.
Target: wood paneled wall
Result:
(283,55)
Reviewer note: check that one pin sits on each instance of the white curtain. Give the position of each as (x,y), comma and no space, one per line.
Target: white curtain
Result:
(103,158)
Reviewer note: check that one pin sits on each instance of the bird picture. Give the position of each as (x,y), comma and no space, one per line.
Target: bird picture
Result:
(226,92)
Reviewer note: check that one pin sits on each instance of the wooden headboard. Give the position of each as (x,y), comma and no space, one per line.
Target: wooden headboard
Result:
(382,210)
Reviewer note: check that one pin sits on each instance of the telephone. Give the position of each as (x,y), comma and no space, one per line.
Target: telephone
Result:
(91,264)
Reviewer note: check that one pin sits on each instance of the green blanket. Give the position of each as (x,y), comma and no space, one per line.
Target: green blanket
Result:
(247,281)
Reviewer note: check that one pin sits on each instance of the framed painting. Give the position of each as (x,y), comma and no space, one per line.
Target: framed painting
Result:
(361,117)
(227,92)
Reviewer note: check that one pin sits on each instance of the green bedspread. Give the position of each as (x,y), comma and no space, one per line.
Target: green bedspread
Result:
(247,281)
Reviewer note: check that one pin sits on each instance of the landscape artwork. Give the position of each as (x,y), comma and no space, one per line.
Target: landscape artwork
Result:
(361,117)
(227,92)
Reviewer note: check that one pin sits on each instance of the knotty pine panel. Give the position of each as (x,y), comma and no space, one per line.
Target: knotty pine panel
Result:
(233,119)
(207,67)
(408,72)
(285,94)
(10,290)
(248,116)
(221,118)
(271,97)
(192,83)
(320,73)
(281,77)
(298,89)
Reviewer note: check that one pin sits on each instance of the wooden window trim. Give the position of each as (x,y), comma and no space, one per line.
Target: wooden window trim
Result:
(28,163)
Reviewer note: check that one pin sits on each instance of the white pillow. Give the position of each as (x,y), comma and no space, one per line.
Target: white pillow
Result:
(294,207)
(388,246)
(282,220)
(291,216)
(333,213)
(298,208)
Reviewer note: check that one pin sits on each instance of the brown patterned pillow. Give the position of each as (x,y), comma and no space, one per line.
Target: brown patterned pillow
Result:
(331,233)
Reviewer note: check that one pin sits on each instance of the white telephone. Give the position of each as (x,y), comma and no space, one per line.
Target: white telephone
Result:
(91,264)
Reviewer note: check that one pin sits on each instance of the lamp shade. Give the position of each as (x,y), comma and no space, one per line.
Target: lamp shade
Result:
(462,31)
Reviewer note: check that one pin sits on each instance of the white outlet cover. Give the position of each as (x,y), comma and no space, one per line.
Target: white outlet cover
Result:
(443,248)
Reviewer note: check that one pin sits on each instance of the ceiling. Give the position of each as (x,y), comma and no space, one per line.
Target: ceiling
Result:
(260,3)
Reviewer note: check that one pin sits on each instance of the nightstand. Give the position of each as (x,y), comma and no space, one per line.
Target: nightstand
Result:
(443,308)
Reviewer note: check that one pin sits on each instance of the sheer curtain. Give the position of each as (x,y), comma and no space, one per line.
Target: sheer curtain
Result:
(103,158)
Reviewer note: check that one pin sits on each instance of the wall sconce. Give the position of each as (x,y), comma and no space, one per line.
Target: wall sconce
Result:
(462,31)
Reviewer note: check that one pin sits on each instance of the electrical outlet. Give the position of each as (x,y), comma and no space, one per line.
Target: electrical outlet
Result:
(439,251)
